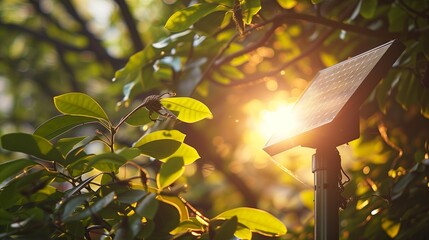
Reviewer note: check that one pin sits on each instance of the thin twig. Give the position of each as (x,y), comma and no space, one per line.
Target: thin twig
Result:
(383,133)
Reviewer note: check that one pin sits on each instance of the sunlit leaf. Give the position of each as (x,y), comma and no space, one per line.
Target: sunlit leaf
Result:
(287,4)
(186,226)
(249,9)
(129,153)
(307,198)
(169,172)
(368,8)
(243,232)
(177,203)
(159,135)
(80,104)
(232,72)
(256,220)
(106,162)
(189,110)
(31,144)
(160,144)
(390,227)
(184,18)
(188,153)
(61,124)
(227,229)
(327,59)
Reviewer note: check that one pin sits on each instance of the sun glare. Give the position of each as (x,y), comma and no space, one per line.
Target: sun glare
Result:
(281,119)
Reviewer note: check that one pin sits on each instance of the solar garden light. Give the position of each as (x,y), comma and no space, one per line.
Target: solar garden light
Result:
(327,113)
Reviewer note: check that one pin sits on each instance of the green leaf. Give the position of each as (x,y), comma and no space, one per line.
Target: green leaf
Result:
(228,3)
(287,4)
(11,168)
(256,220)
(402,185)
(398,18)
(31,144)
(188,153)
(160,148)
(243,232)
(231,72)
(130,196)
(177,203)
(184,18)
(65,145)
(368,8)
(79,104)
(163,225)
(79,187)
(186,226)
(170,171)
(129,153)
(227,229)
(61,124)
(72,204)
(160,144)
(249,8)
(148,206)
(106,162)
(94,208)
(189,109)
(409,91)
(140,118)
(390,227)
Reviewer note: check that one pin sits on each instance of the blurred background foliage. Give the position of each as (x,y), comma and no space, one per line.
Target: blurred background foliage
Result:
(249,73)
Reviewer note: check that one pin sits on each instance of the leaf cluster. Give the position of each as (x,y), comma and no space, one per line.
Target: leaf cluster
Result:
(61,191)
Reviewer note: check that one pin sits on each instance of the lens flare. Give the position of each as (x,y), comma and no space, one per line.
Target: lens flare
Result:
(279,120)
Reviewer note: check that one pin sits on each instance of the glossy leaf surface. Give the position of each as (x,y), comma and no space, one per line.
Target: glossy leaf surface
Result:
(256,220)
(80,104)
(189,110)
(31,144)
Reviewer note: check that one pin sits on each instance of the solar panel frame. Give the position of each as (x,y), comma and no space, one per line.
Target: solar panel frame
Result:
(341,124)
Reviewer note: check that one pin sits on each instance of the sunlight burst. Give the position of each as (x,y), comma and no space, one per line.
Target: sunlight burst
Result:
(281,119)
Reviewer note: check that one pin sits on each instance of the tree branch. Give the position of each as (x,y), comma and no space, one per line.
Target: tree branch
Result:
(131,25)
(41,36)
(336,25)
(94,43)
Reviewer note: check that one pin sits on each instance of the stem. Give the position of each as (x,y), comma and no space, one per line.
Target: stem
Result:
(114,129)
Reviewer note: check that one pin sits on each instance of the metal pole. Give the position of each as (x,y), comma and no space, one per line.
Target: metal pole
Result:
(326,168)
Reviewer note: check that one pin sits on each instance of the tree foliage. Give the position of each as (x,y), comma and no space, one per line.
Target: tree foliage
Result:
(83,174)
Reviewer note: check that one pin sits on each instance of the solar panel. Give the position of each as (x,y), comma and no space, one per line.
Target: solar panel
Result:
(327,111)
